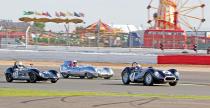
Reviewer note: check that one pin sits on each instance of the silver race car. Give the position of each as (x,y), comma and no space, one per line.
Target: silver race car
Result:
(149,76)
(70,68)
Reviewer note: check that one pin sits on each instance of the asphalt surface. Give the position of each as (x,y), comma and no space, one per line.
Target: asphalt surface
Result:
(80,56)
(102,49)
(99,102)
(191,83)
(97,85)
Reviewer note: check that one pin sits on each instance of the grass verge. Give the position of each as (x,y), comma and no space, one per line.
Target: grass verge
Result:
(5,92)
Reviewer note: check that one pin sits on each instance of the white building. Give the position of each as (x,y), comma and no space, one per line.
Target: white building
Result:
(126,28)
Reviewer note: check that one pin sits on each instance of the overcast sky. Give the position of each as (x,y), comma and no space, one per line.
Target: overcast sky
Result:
(109,11)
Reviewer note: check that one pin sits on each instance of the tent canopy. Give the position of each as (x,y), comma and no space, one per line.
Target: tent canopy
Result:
(99,26)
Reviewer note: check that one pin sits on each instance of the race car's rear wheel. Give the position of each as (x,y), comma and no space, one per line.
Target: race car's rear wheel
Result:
(82,77)
(9,77)
(89,76)
(125,78)
(148,79)
(172,83)
(32,77)
(65,75)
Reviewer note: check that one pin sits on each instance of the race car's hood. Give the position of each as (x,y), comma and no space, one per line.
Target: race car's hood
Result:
(47,74)
(104,70)
(165,73)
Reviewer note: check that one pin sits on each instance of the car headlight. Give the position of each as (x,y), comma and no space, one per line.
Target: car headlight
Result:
(111,72)
(58,75)
(41,74)
(157,74)
(177,74)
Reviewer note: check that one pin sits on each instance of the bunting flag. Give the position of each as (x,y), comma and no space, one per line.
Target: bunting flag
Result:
(37,13)
(81,14)
(57,14)
(62,14)
(28,13)
(76,14)
(48,14)
(69,13)
(44,14)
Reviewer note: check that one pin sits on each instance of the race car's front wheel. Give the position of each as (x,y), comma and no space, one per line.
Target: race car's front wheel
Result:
(32,77)
(65,75)
(125,78)
(82,77)
(9,77)
(54,80)
(107,77)
(172,83)
(148,80)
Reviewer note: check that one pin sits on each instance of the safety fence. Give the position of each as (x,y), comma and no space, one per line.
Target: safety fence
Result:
(184,59)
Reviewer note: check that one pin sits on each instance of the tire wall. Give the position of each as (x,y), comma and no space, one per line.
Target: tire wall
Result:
(184,59)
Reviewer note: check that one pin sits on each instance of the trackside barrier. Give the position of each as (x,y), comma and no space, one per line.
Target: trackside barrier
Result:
(184,59)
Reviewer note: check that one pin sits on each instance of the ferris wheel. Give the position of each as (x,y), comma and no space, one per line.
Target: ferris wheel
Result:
(176,14)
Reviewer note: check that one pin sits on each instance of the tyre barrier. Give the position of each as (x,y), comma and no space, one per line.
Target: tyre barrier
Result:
(184,59)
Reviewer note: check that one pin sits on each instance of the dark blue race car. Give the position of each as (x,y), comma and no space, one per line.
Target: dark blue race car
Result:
(30,74)
(149,76)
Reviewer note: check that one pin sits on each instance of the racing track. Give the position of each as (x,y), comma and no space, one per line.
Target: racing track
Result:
(192,83)
(80,56)
(99,102)
(99,85)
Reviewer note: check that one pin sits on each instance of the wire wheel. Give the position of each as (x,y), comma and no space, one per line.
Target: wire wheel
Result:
(89,76)
(32,77)
(148,80)
(125,78)
(65,75)
(9,77)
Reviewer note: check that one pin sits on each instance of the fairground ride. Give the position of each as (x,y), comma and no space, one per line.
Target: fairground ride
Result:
(169,21)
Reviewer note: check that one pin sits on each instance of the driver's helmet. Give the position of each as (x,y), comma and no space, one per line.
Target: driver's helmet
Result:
(74,62)
(19,64)
(138,66)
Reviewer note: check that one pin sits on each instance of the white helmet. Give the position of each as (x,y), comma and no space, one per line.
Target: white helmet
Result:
(74,61)
(139,65)
(19,63)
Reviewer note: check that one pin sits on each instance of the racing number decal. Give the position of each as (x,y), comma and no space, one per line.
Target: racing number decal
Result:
(132,76)
(15,74)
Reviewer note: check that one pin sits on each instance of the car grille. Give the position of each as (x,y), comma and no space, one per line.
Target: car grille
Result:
(170,78)
(168,74)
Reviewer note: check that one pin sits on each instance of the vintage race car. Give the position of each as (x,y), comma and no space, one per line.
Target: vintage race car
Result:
(30,74)
(149,76)
(89,72)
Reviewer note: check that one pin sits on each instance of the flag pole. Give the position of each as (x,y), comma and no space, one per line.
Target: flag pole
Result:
(98,33)
(27,33)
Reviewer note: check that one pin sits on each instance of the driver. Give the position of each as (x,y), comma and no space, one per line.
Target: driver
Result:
(18,64)
(137,66)
(74,63)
